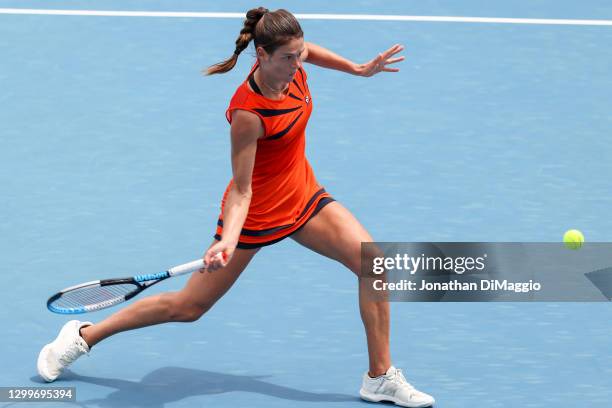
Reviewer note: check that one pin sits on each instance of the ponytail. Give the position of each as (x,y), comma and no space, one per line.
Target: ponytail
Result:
(276,29)
(246,35)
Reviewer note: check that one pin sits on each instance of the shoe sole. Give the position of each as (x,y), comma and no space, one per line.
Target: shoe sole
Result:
(378,398)
(41,363)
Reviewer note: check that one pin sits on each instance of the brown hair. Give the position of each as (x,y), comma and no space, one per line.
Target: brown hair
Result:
(267,29)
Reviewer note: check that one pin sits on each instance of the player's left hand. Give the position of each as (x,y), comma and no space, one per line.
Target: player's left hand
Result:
(379,64)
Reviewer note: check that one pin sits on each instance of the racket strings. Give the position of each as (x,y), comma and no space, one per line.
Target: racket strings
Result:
(92,295)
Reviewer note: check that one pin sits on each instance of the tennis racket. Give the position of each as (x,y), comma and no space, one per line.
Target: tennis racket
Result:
(101,294)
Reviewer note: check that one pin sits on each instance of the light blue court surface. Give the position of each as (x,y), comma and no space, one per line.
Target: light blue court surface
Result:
(114,153)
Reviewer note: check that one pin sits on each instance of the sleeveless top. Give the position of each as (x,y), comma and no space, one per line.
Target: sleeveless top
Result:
(285,191)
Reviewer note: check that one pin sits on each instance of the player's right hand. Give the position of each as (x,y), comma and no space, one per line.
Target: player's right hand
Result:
(217,256)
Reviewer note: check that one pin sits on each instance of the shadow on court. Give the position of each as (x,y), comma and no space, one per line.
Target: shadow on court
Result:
(169,384)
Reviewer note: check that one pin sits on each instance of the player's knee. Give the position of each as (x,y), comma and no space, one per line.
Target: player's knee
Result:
(188,311)
(354,264)
(191,314)
(362,256)
(353,260)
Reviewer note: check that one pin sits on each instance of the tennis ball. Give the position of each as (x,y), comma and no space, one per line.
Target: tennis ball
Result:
(573,239)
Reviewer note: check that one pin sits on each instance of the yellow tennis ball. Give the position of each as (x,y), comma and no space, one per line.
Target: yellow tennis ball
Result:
(573,239)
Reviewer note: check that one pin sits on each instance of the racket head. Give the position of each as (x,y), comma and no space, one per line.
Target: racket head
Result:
(94,295)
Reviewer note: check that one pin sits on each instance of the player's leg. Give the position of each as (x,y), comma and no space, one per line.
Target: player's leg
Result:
(199,294)
(336,233)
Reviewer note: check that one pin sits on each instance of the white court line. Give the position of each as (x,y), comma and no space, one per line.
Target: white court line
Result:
(369,17)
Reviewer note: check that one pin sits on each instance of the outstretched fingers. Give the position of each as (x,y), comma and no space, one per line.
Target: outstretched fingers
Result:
(392,51)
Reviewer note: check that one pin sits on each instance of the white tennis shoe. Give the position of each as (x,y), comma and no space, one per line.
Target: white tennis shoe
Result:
(392,386)
(67,347)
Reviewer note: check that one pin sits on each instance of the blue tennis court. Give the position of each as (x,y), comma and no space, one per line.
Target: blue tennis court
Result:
(115,154)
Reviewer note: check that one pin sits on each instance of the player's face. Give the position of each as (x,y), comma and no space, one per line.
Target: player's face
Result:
(284,62)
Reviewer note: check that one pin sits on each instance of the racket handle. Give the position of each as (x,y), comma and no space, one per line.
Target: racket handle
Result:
(187,267)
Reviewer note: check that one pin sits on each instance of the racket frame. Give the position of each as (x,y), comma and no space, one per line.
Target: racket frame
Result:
(140,282)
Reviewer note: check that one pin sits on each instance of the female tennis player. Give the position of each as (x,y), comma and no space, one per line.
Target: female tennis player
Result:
(273,195)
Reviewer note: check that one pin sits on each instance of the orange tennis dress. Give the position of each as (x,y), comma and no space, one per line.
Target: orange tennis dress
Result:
(285,192)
